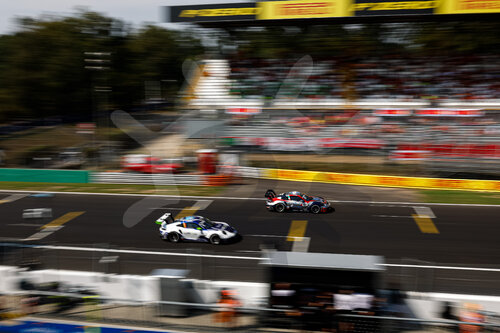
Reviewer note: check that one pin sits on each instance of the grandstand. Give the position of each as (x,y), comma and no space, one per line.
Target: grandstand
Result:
(362,83)
(430,97)
(377,112)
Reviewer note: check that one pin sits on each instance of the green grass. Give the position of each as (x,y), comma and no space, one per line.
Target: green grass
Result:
(113,188)
(460,197)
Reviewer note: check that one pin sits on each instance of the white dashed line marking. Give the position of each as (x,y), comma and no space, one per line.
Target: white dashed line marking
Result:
(394,216)
(424,212)
(12,198)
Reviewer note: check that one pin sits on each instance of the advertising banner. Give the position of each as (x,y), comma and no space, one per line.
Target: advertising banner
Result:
(378,180)
(388,7)
(449,113)
(392,113)
(469,6)
(313,9)
(31,326)
(211,13)
(243,111)
(302,9)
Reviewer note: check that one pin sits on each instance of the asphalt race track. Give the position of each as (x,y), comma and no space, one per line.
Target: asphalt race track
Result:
(412,234)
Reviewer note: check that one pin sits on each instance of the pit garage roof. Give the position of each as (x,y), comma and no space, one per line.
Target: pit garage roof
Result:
(348,262)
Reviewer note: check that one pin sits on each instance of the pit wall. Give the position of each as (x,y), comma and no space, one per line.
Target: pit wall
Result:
(124,287)
(140,288)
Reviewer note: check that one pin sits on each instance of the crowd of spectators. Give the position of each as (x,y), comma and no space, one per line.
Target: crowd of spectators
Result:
(267,78)
(387,77)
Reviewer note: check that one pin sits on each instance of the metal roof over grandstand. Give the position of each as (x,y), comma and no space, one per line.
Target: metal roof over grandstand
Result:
(350,262)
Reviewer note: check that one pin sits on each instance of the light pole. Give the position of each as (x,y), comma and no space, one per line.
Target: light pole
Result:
(98,62)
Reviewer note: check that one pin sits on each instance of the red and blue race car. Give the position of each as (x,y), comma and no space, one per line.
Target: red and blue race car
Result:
(296,201)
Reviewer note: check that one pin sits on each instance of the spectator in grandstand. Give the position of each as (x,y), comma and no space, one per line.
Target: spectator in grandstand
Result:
(390,76)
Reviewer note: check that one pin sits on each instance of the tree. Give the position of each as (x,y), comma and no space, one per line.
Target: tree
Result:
(43,63)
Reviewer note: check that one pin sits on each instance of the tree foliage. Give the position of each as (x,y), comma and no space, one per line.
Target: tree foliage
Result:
(44,72)
(43,63)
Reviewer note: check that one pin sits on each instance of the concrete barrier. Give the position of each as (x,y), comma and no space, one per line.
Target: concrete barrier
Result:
(44,175)
(124,287)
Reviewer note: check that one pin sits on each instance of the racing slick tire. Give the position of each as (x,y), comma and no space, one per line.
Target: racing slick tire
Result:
(280,208)
(215,239)
(315,209)
(173,237)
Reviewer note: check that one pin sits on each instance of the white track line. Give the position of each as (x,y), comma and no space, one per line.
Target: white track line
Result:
(275,236)
(202,204)
(398,204)
(86,249)
(25,224)
(268,236)
(424,212)
(43,233)
(394,216)
(13,197)
(479,269)
(301,244)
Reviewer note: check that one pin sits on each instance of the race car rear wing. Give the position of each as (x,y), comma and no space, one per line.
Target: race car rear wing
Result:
(167,217)
(270,194)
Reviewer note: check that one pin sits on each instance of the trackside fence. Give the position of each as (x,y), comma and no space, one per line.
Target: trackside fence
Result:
(146,179)
(216,317)
(406,274)
(78,176)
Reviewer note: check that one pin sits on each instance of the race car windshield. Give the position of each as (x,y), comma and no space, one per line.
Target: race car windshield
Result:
(307,198)
(207,224)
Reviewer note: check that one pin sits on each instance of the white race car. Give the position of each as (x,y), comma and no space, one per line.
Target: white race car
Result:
(195,228)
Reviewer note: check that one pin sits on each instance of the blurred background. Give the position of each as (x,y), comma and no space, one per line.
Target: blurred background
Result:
(406,98)
(211,104)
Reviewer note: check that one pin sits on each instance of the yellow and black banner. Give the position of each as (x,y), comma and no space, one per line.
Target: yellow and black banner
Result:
(388,7)
(216,12)
(469,7)
(379,180)
(303,9)
(314,9)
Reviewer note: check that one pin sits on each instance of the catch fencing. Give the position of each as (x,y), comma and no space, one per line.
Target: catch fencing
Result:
(202,264)
(231,173)
(196,317)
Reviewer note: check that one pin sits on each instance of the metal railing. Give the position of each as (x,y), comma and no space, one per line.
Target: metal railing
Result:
(407,274)
(147,179)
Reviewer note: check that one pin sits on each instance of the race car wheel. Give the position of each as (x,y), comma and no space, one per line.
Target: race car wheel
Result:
(173,237)
(315,209)
(280,208)
(215,240)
